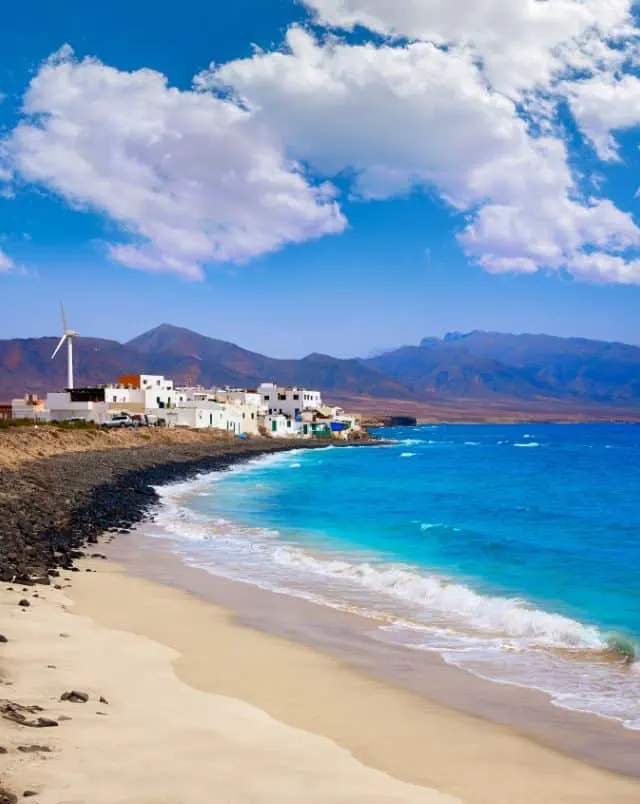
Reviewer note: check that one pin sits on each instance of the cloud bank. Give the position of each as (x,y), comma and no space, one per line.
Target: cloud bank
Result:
(190,177)
(479,103)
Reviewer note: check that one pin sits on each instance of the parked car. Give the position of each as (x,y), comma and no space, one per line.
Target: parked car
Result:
(140,420)
(119,420)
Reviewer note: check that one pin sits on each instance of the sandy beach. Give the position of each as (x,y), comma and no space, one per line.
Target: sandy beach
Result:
(190,714)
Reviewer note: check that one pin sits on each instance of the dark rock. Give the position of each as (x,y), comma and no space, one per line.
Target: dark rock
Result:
(3,750)
(103,700)
(75,696)
(63,635)
(24,603)
(53,507)
(6,797)
(3,638)
(29,793)
(64,717)
(57,586)
(20,714)
(51,667)
(34,749)
(43,723)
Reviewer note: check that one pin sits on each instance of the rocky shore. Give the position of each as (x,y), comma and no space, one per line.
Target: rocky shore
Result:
(53,507)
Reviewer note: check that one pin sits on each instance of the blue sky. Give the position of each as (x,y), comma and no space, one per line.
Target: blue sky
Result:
(330,175)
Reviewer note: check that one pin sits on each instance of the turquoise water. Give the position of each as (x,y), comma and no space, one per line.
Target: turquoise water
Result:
(514,551)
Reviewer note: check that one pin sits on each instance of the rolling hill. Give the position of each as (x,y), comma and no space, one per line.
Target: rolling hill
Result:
(461,376)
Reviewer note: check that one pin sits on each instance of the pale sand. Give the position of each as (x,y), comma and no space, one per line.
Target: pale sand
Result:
(185,721)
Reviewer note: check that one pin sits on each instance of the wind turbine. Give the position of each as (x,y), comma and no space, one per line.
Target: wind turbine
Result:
(67,335)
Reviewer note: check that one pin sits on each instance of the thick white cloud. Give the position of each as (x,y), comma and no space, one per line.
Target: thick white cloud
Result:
(394,117)
(189,177)
(460,99)
(522,43)
(604,104)
(6,263)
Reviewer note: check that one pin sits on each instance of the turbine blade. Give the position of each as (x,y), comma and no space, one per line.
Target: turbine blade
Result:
(59,346)
(64,318)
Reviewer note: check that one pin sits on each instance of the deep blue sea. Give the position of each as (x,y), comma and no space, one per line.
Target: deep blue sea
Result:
(511,550)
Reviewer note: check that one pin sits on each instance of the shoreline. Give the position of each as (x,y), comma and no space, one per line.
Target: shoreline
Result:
(198,705)
(55,506)
(350,640)
(497,734)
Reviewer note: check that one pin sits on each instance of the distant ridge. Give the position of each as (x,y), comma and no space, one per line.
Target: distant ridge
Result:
(475,370)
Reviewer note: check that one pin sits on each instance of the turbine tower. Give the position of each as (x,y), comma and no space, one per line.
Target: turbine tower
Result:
(67,335)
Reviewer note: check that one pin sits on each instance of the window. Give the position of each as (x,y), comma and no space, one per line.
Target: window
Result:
(115,398)
(266,398)
(157,382)
(296,397)
(282,397)
(253,415)
(288,422)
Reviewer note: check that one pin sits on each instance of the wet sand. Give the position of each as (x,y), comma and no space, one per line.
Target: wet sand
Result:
(403,711)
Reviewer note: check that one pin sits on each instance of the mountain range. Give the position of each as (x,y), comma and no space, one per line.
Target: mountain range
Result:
(477,375)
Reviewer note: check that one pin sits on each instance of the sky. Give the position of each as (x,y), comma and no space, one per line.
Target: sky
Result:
(337,176)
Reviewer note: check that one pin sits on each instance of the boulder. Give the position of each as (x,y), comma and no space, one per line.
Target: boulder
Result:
(75,696)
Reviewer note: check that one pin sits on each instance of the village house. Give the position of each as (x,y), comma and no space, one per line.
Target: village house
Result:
(288,401)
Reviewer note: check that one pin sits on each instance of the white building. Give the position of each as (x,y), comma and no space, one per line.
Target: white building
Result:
(276,425)
(29,407)
(244,407)
(75,405)
(138,393)
(204,414)
(288,401)
(239,396)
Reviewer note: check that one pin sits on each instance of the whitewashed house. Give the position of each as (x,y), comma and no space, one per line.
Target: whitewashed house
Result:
(141,392)
(29,407)
(244,409)
(288,401)
(76,404)
(201,414)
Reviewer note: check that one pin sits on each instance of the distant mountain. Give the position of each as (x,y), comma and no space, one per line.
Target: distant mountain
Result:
(185,356)
(461,373)
(578,368)
(26,365)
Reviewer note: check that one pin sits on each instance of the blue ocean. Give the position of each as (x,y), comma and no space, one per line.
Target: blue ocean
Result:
(511,550)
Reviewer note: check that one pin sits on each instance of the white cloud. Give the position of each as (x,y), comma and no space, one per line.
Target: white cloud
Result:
(395,117)
(601,267)
(6,263)
(603,104)
(522,43)
(189,177)
(460,98)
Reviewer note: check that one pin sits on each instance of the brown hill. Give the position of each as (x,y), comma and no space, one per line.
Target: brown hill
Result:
(476,376)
